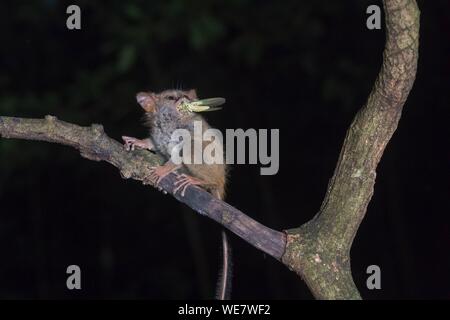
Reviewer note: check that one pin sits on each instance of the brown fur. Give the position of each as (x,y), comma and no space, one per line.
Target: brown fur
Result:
(163,117)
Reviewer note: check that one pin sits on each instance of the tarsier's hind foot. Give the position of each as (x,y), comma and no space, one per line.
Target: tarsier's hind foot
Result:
(158,173)
(131,143)
(186,181)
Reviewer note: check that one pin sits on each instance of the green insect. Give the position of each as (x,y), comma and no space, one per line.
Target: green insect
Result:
(211,104)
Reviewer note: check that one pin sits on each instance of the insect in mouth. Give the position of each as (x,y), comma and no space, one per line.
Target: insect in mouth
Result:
(204,105)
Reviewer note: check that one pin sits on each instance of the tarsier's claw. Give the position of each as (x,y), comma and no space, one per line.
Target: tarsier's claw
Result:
(158,173)
(184,182)
(131,143)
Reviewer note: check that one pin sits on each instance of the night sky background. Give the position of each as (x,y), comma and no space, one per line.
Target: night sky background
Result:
(304,67)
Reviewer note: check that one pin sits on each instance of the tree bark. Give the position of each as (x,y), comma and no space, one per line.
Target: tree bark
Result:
(319,251)
(94,144)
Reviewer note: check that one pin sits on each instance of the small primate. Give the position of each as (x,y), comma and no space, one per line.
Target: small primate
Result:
(166,112)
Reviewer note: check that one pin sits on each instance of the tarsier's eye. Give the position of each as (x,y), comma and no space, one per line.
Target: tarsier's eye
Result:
(173,98)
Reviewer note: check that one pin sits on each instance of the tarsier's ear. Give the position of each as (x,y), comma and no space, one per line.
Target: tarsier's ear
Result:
(147,101)
(192,94)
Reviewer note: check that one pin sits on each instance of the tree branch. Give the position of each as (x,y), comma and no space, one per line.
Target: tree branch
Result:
(94,144)
(319,250)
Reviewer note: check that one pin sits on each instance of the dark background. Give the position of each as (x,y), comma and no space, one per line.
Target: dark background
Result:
(304,67)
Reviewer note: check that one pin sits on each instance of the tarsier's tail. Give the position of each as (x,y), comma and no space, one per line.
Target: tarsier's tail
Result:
(224,282)
(223,290)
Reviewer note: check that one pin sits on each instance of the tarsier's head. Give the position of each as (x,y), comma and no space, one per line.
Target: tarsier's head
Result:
(169,100)
(176,101)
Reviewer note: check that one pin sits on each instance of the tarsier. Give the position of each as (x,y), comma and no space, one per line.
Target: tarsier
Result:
(166,112)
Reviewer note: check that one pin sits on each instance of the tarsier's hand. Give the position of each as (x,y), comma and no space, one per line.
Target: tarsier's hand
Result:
(131,143)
